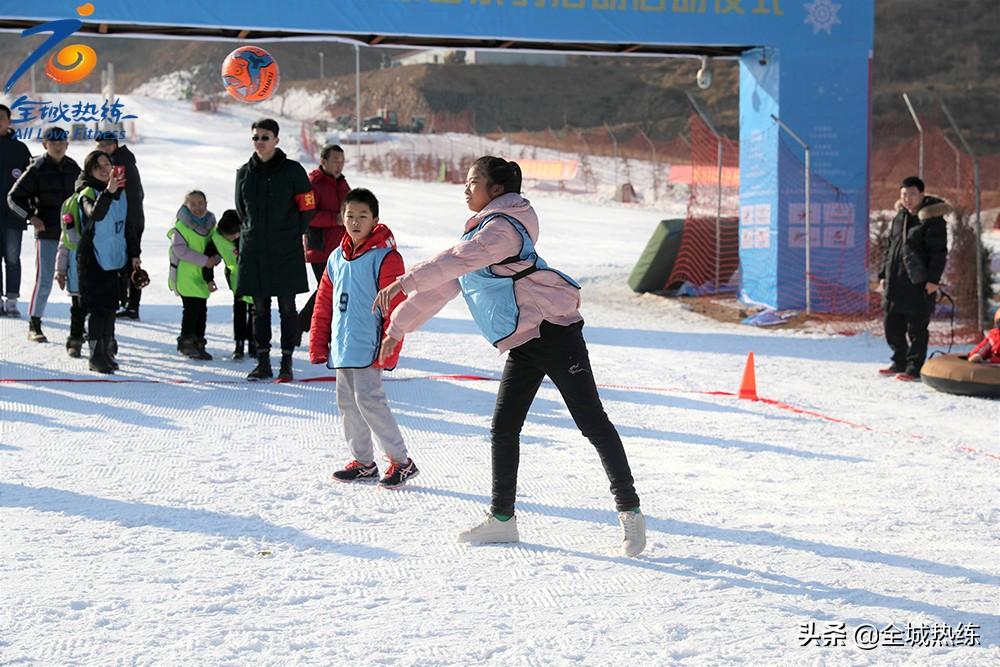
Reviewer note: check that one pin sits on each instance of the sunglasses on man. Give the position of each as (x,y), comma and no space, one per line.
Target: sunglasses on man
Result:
(256,138)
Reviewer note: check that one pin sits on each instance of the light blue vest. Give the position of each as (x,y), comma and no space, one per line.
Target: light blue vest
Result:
(109,235)
(72,275)
(357,332)
(490,296)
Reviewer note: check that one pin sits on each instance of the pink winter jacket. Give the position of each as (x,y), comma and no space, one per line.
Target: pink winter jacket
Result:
(542,295)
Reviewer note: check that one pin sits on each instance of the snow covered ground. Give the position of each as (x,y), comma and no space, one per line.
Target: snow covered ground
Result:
(182,515)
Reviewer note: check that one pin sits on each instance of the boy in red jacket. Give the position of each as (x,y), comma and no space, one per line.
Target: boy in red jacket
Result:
(343,307)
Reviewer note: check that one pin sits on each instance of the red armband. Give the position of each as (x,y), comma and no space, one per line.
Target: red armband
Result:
(306,201)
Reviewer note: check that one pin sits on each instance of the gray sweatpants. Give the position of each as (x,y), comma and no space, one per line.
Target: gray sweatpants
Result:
(45,267)
(364,411)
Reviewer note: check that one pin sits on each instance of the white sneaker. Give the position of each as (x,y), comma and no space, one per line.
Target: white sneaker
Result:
(491,531)
(633,532)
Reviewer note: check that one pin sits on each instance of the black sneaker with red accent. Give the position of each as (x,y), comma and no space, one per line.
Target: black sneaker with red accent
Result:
(891,371)
(356,471)
(398,473)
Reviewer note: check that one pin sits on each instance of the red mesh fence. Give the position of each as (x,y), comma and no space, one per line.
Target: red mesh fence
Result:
(708,255)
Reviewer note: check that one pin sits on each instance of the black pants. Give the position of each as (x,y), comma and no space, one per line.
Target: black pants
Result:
(242,319)
(130,294)
(262,323)
(561,354)
(77,317)
(907,336)
(101,324)
(194,317)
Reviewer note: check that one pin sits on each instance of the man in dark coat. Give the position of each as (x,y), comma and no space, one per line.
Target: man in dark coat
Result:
(911,275)
(275,201)
(38,197)
(14,159)
(121,156)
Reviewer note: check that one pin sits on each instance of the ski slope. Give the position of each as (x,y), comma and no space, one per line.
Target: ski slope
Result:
(181,515)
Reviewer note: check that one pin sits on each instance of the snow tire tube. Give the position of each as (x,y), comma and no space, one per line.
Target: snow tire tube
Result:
(953,374)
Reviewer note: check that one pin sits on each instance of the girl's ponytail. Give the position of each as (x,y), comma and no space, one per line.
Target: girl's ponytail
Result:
(500,172)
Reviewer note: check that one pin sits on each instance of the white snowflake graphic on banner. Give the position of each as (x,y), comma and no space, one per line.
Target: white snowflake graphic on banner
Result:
(822,15)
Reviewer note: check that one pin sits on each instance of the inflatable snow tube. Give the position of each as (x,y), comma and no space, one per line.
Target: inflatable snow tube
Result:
(953,374)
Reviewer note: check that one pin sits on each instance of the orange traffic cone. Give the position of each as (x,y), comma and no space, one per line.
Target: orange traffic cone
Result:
(748,387)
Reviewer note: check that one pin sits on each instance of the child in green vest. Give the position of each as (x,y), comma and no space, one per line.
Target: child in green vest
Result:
(225,242)
(190,237)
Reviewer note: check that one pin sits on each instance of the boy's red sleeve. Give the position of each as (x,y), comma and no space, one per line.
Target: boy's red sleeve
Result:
(392,268)
(319,328)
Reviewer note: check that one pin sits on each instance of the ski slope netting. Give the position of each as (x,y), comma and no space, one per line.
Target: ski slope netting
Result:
(708,256)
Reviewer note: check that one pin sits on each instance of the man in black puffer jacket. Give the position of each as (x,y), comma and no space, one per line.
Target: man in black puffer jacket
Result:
(911,275)
(38,197)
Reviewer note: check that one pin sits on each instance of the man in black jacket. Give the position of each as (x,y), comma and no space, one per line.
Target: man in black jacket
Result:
(121,156)
(38,197)
(14,159)
(275,201)
(911,275)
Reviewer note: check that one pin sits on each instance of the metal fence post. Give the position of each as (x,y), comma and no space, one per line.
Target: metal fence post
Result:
(614,148)
(920,131)
(652,150)
(980,310)
(958,163)
(805,147)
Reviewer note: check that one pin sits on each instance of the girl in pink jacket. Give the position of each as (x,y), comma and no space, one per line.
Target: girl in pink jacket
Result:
(524,307)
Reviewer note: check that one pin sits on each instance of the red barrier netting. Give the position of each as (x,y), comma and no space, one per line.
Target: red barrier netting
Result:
(842,298)
(708,256)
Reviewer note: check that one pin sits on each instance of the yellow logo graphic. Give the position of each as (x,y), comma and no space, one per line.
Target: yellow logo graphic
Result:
(71,63)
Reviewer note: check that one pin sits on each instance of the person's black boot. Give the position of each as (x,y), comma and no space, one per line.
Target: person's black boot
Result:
(263,370)
(239,353)
(74,346)
(186,345)
(35,334)
(111,352)
(285,373)
(200,352)
(99,361)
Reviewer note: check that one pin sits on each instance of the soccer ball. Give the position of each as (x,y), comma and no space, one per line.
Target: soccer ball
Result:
(250,74)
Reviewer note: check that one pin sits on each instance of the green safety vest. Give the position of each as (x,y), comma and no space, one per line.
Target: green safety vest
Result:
(227,250)
(186,278)
(71,207)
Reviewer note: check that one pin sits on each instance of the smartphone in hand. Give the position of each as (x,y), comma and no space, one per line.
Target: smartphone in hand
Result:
(118,173)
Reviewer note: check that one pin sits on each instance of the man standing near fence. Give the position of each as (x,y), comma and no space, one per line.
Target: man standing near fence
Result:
(911,275)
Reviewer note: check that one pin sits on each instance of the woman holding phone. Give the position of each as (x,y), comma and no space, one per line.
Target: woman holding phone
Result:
(102,253)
